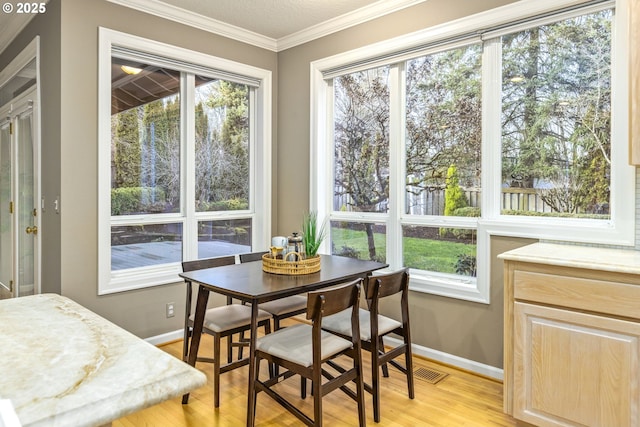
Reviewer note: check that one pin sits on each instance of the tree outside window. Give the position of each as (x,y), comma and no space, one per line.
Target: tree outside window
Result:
(556,118)
(361,159)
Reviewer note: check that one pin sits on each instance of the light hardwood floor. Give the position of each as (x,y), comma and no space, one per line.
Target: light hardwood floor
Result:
(461,399)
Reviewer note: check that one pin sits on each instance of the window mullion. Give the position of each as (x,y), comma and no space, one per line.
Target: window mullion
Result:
(397,98)
(491,128)
(255,197)
(188,174)
(322,191)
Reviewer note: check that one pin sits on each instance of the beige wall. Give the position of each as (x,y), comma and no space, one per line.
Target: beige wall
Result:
(69,34)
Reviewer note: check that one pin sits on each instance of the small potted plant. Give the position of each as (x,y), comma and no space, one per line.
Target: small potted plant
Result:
(312,235)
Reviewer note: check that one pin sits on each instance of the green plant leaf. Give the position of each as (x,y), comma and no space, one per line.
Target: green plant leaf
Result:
(312,236)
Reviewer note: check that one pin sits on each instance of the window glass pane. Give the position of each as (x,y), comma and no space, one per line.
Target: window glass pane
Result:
(361,132)
(144,245)
(6,220)
(443,250)
(222,145)
(359,240)
(145,139)
(443,138)
(226,237)
(23,80)
(556,118)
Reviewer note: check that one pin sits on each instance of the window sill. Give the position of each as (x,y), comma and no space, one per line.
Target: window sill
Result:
(451,286)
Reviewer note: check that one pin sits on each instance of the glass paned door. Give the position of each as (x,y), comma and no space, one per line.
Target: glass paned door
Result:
(6,229)
(26,204)
(19,197)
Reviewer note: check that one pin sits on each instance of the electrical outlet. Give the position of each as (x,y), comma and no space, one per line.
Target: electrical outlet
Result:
(170,309)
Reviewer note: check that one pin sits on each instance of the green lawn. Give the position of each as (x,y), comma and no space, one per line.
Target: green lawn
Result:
(419,253)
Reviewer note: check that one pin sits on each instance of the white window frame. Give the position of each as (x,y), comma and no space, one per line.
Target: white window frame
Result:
(260,151)
(618,231)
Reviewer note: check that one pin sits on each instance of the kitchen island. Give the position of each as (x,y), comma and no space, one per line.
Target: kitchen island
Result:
(63,365)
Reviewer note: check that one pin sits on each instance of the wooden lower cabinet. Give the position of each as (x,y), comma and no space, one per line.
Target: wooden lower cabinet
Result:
(572,368)
(572,336)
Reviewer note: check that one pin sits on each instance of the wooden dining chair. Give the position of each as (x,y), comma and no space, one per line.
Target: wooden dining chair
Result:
(374,326)
(303,349)
(281,308)
(220,322)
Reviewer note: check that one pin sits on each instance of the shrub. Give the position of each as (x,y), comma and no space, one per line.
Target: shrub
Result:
(131,200)
(466,265)
(468,211)
(347,251)
(453,195)
(223,205)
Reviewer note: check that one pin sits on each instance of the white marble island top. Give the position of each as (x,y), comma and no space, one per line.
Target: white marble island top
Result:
(63,365)
(594,258)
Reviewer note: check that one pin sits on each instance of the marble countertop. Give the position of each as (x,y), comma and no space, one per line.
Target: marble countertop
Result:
(594,258)
(63,365)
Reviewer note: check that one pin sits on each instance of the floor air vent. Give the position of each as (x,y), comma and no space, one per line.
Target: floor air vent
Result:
(430,375)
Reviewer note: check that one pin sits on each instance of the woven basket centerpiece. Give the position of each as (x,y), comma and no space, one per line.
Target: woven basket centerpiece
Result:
(292,264)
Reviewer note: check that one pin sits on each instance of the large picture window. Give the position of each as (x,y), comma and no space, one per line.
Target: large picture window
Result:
(187,170)
(516,129)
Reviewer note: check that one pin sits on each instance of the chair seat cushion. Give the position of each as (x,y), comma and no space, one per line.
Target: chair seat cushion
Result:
(226,317)
(341,323)
(285,305)
(295,344)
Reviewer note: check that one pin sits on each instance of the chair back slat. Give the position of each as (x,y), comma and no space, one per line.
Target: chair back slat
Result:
(253,256)
(329,301)
(387,284)
(199,264)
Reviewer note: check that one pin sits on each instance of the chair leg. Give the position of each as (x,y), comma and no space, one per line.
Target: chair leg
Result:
(276,367)
(303,387)
(229,348)
(408,358)
(316,383)
(375,379)
(185,343)
(362,418)
(216,371)
(255,390)
(385,368)
(241,347)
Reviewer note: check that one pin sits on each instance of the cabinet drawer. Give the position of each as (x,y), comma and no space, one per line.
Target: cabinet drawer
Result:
(613,298)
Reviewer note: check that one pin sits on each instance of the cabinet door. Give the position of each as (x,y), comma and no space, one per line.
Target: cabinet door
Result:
(572,368)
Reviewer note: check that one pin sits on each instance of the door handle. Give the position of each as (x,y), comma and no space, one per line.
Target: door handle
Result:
(33,230)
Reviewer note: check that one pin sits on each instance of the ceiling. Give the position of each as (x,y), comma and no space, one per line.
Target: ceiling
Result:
(271,24)
(272,18)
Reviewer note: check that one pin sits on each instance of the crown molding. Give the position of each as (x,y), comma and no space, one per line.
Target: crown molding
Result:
(182,16)
(173,13)
(345,21)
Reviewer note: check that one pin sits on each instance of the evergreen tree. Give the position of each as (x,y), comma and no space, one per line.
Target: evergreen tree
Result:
(454,197)
(126,149)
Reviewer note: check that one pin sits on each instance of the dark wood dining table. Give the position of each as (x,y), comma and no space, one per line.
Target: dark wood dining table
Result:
(248,282)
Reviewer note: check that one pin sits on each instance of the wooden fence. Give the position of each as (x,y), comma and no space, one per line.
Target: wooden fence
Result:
(432,201)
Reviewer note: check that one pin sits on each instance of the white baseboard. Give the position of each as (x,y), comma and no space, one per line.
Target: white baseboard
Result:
(436,355)
(450,359)
(165,338)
